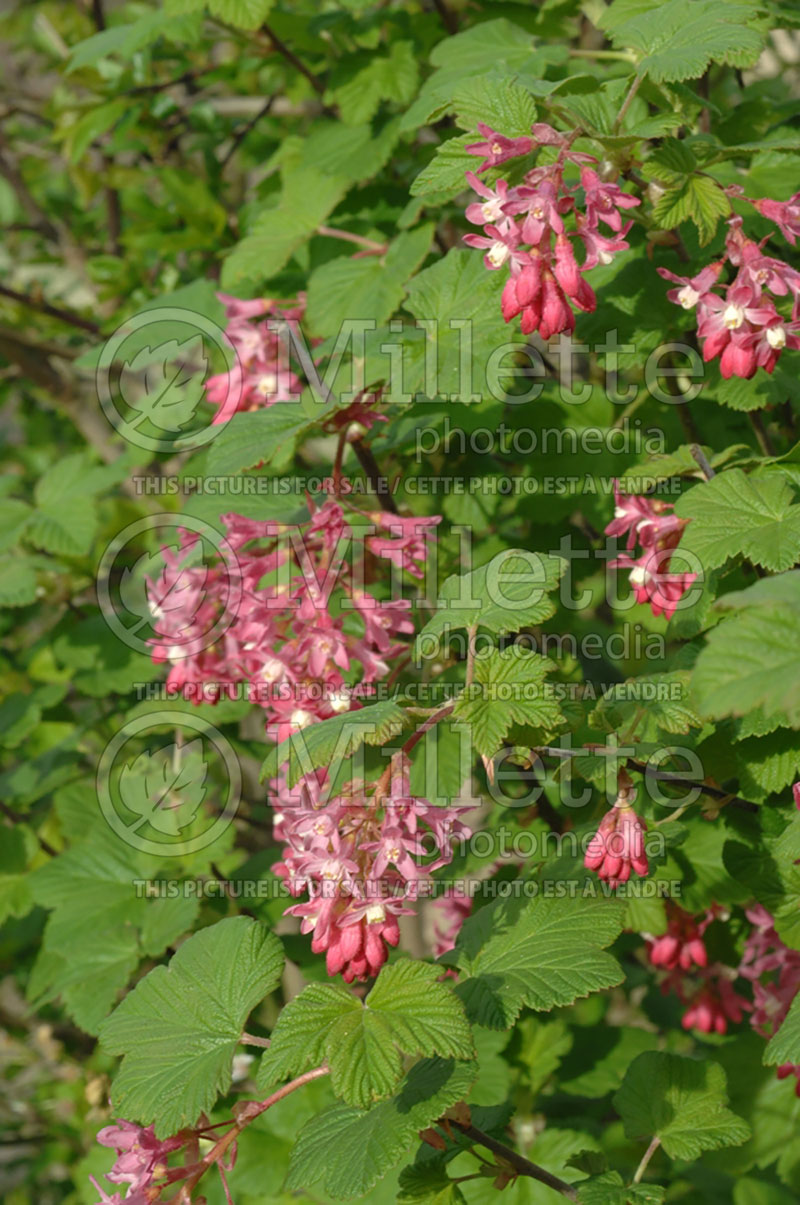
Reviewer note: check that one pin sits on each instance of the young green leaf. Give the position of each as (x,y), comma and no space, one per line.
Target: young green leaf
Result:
(406,1011)
(681,1101)
(537,952)
(179,1028)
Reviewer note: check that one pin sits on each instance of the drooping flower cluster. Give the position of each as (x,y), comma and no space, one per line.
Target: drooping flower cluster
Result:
(652,523)
(141,1159)
(742,325)
(260,374)
(773,969)
(708,989)
(274,613)
(705,989)
(524,228)
(617,848)
(360,856)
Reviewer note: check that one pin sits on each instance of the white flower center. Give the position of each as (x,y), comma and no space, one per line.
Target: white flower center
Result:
(496,148)
(776,337)
(267,384)
(688,297)
(639,576)
(498,254)
(375,913)
(733,317)
(605,257)
(340,701)
(620,512)
(300,718)
(271,671)
(492,210)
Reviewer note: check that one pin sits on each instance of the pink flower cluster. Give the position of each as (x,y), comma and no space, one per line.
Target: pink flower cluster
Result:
(275,613)
(617,848)
(358,856)
(524,228)
(658,531)
(259,375)
(742,325)
(141,1159)
(773,969)
(706,990)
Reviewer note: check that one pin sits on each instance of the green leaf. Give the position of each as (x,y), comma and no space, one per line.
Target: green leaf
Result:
(681,1101)
(179,1028)
(444,175)
(265,436)
(16,850)
(333,740)
(359,289)
(678,39)
(736,515)
(784,1047)
(125,39)
(509,687)
(498,102)
(537,952)
(764,389)
(347,1150)
(609,1189)
(508,593)
(17,580)
(166,796)
(751,659)
(246,14)
(467,341)
(406,1011)
(65,518)
(768,764)
(699,199)
(93,937)
(391,77)
(647,706)
(307,198)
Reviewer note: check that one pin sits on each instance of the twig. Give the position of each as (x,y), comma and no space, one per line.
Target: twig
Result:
(251,1039)
(626,104)
(764,441)
(521,1165)
(291,57)
(431,722)
(699,457)
(449,19)
(53,311)
(646,1157)
(371,244)
(241,134)
(641,768)
(246,1114)
(471,633)
(380,485)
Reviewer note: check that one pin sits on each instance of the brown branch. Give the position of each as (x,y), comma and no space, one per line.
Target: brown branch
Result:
(761,433)
(53,311)
(431,722)
(380,485)
(241,134)
(449,19)
(700,459)
(291,57)
(521,1165)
